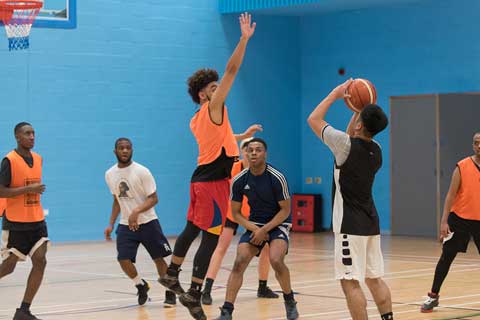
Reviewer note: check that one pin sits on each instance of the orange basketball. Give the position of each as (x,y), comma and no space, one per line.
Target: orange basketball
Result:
(362,93)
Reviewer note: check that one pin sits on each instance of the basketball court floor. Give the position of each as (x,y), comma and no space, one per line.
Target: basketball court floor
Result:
(84,281)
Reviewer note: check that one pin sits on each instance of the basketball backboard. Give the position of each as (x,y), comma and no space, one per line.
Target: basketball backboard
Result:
(57,14)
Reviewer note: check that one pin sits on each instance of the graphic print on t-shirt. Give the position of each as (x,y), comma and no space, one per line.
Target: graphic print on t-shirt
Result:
(123,190)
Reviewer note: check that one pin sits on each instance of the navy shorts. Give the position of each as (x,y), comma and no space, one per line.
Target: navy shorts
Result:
(281,232)
(150,235)
(463,230)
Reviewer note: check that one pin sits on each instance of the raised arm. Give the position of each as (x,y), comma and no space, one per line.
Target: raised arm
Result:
(316,120)
(218,99)
(250,132)
(351,124)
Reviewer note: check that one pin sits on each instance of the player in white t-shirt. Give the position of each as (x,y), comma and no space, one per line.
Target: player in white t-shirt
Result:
(134,195)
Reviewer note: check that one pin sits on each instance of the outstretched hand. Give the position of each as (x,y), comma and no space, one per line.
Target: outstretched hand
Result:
(246,25)
(340,91)
(250,132)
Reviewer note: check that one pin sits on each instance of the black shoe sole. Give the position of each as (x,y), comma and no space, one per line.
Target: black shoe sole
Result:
(175,287)
(195,311)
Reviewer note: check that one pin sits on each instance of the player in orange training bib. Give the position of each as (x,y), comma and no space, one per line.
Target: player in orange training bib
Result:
(24,231)
(210,186)
(460,220)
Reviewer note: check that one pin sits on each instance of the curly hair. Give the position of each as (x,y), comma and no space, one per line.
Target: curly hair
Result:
(199,80)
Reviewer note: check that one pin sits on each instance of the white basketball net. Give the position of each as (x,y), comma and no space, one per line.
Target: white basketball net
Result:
(19,25)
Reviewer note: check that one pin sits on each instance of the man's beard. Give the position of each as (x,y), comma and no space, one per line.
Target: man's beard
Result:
(124,161)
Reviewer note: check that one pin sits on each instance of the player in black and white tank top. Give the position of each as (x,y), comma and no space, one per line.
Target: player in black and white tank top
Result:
(358,157)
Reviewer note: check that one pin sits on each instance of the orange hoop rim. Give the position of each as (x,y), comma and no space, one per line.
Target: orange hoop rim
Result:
(20,4)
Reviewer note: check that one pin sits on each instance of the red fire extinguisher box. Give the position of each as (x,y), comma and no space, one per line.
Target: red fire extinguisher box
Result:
(307,213)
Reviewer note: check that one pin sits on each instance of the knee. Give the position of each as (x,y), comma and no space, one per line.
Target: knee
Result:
(240,265)
(8,267)
(372,283)
(221,248)
(448,256)
(39,263)
(350,287)
(277,263)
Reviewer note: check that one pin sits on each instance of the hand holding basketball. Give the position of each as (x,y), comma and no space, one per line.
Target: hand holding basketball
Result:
(359,94)
(246,25)
(340,91)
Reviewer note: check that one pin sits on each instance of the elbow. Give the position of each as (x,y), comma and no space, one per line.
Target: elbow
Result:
(231,68)
(311,121)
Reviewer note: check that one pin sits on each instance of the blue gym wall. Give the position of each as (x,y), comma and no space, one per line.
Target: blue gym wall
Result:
(123,72)
(426,47)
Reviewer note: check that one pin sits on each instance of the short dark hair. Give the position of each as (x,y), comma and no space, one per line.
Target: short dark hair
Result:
(19,126)
(374,119)
(260,140)
(199,80)
(122,139)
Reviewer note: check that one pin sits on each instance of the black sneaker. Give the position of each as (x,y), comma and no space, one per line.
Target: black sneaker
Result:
(224,315)
(142,292)
(430,303)
(291,308)
(170,299)
(24,315)
(266,293)
(191,300)
(207,298)
(171,283)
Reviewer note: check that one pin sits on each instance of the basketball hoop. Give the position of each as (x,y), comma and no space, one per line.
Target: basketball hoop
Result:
(18,16)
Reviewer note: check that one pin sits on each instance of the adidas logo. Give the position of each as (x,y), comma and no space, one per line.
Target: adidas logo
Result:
(281,236)
(247,187)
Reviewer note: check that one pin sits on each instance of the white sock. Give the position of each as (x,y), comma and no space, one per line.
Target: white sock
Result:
(137,280)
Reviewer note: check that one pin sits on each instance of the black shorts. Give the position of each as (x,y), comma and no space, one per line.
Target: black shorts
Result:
(23,243)
(462,230)
(231,225)
(150,235)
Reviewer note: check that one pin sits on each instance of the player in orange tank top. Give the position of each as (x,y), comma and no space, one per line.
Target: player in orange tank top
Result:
(460,219)
(229,230)
(209,187)
(24,231)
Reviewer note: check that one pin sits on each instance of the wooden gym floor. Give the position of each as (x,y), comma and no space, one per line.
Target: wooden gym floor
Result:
(84,281)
